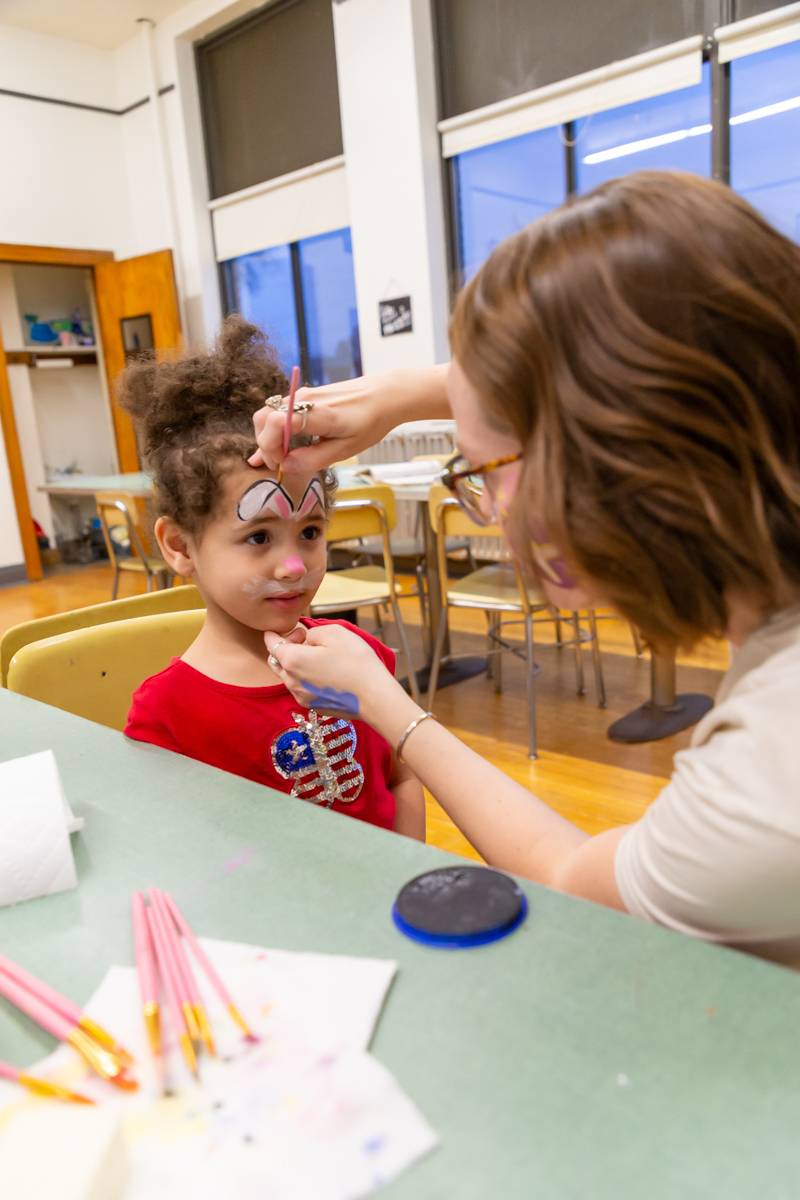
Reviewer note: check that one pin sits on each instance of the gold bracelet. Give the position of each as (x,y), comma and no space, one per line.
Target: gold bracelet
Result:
(407,733)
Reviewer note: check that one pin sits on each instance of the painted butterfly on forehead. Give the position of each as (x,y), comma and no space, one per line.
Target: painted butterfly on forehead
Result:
(269,495)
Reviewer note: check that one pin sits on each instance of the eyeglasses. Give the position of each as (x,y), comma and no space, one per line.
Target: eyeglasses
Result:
(468,484)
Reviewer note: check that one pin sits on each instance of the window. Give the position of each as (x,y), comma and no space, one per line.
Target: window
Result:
(329,305)
(260,287)
(670,132)
(765,134)
(499,189)
(303,297)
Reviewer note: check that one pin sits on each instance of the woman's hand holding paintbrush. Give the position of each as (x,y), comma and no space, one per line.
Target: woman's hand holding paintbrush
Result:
(339,420)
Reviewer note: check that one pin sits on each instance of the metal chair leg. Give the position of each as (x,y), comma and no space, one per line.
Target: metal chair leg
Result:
(437,656)
(490,625)
(530,666)
(580,683)
(557,620)
(637,641)
(419,571)
(403,636)
(115,583)
(497,656)
(597,661)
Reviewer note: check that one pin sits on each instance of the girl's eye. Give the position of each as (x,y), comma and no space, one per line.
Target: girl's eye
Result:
(311,533)
(259,538)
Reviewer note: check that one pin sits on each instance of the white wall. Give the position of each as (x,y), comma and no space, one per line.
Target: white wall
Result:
(385,63)
(64,178)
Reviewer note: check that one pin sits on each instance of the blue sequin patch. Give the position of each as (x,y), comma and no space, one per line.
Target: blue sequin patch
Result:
(292,752)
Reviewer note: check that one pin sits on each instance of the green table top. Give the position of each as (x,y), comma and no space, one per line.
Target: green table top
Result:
(588,1055)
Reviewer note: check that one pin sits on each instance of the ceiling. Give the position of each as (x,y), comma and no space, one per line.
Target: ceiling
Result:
(105,24)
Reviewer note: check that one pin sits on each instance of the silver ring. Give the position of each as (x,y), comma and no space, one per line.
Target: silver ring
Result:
(273,662)
(274,402)
(304,421)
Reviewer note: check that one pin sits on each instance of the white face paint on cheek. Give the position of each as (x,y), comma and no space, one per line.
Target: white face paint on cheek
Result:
(260,589)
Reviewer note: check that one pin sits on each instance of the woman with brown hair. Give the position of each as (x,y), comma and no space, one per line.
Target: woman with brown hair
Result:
(626,388)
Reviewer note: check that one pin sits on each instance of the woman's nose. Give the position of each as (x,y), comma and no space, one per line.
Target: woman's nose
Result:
(292,567)
(488,508)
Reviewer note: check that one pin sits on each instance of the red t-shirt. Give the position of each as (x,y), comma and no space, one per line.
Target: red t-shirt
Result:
(263,734)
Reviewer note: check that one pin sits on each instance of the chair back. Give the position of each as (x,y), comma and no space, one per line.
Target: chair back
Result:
(93,672)
(175,599)
(448,519)
(364,511)
(117,510)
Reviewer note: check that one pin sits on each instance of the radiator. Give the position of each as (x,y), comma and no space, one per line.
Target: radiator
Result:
(410,441)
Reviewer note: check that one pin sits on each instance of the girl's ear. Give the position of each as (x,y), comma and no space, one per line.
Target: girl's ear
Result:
(174,546)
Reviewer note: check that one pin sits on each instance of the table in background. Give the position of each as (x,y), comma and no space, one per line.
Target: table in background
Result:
(588,1055)
(136,483)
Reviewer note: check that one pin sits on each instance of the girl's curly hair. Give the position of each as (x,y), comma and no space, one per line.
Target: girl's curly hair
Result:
(194,416)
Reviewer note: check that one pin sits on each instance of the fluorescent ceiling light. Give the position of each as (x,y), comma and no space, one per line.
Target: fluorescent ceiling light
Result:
(679,135)
(769,110)
(661,139)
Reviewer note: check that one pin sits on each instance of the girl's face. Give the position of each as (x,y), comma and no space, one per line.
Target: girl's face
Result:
(262,556)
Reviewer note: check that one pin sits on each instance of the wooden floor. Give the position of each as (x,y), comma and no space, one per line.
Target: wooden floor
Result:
(592,781)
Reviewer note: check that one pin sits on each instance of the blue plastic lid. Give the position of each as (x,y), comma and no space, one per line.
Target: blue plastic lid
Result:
(457,907)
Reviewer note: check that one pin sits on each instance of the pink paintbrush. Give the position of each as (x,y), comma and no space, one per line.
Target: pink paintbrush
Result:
(191,1000)
(294,384)
(167,970)
(105,1062)
(61,1004)
(203,959)
(41,1087)
(184,988)
(145,953)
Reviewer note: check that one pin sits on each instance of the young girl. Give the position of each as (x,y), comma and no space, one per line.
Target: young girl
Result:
(256,550)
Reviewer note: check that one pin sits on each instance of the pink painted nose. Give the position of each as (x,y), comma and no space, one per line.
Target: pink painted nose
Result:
(292,567)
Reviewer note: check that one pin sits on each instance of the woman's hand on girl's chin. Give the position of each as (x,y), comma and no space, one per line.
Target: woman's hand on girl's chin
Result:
(334,669)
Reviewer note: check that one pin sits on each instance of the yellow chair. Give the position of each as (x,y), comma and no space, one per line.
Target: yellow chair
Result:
(362,512)
(93,672)
(117,512)
(169,600)
(500,591)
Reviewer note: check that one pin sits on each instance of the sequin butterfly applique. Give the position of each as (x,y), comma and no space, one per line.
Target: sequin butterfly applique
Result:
(317,757)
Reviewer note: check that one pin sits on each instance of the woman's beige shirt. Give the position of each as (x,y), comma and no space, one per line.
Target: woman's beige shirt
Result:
(717,854)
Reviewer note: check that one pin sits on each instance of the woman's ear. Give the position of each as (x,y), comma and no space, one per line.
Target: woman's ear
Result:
(174,546)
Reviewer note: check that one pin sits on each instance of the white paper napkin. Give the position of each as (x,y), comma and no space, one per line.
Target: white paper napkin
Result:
(35,853)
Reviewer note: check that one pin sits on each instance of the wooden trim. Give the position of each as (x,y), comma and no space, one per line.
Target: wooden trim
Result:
(19,487)
(52,256)
(127,287)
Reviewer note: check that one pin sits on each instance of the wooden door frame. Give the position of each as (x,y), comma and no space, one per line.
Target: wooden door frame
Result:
(46,256)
